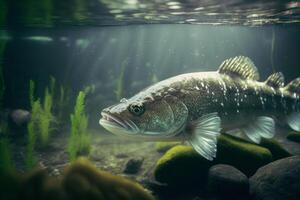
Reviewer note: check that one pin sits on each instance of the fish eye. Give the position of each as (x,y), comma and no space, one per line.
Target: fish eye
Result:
(136,109)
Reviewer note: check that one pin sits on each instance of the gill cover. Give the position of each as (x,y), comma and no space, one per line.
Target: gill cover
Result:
(180,112)
(168,121)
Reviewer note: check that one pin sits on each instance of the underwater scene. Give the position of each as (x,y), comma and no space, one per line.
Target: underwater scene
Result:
(149,100)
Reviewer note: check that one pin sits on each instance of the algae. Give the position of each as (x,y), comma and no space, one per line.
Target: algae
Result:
(245,156)
(162,147)
(191,168)
(276,149)
(294,136)
(182,166)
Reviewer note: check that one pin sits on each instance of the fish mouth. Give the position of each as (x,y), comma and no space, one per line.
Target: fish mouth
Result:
(117,125)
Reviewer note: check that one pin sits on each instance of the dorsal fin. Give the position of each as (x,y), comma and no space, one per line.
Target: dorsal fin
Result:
(275,80)
(294,86)
(239,66)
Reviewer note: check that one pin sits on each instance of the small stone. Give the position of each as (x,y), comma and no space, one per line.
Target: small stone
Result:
(20,116)
(96,158)
(133,165)
(227,182)
(278,180)
(121,155)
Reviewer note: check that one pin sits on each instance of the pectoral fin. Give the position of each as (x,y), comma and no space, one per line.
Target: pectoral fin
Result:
(261,127)
(204,132)
(293,121)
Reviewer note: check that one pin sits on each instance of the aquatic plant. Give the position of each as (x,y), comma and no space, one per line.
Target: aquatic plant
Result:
(2,85)
(41,114)
(37,12)
(46,117)
(79,141)
(119,91)
(273,50)
(6,163)
(61,103)
(31,92)
(3,13)
(154,78)
(32,129)
(80,10)
(89,89)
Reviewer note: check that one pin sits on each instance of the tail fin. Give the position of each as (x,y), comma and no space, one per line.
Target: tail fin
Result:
(293,86)
(293,119)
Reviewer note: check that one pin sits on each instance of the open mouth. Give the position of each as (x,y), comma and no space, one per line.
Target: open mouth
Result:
(111,123)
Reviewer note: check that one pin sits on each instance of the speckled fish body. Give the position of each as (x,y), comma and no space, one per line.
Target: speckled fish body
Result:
(195,107)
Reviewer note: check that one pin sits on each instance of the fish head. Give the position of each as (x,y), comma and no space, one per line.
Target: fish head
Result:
(145,118)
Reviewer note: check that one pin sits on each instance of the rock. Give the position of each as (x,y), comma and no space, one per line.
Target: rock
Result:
(162,147)
(37,185)
(277,181)
(84,181)
(20,116)
(243,155)
(294,136)
(133,165)
(182,167)
(121,155)
(276,149)
(227,182)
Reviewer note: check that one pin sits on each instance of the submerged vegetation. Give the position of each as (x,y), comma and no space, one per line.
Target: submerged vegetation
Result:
(119,91)
(42,115)
(41,119)
(79,142)
(32,128)
(6,163)
(46,116)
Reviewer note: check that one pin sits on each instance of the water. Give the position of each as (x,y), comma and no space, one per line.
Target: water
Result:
(63,62)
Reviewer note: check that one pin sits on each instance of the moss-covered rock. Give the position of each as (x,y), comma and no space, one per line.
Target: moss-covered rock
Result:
(245,156)
(82,180)
(183,166)
(38,185)
(294,136)
(9,184)
(276,149)
(162,147)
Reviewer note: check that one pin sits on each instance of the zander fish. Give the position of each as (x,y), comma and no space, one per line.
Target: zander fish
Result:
(195,107)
